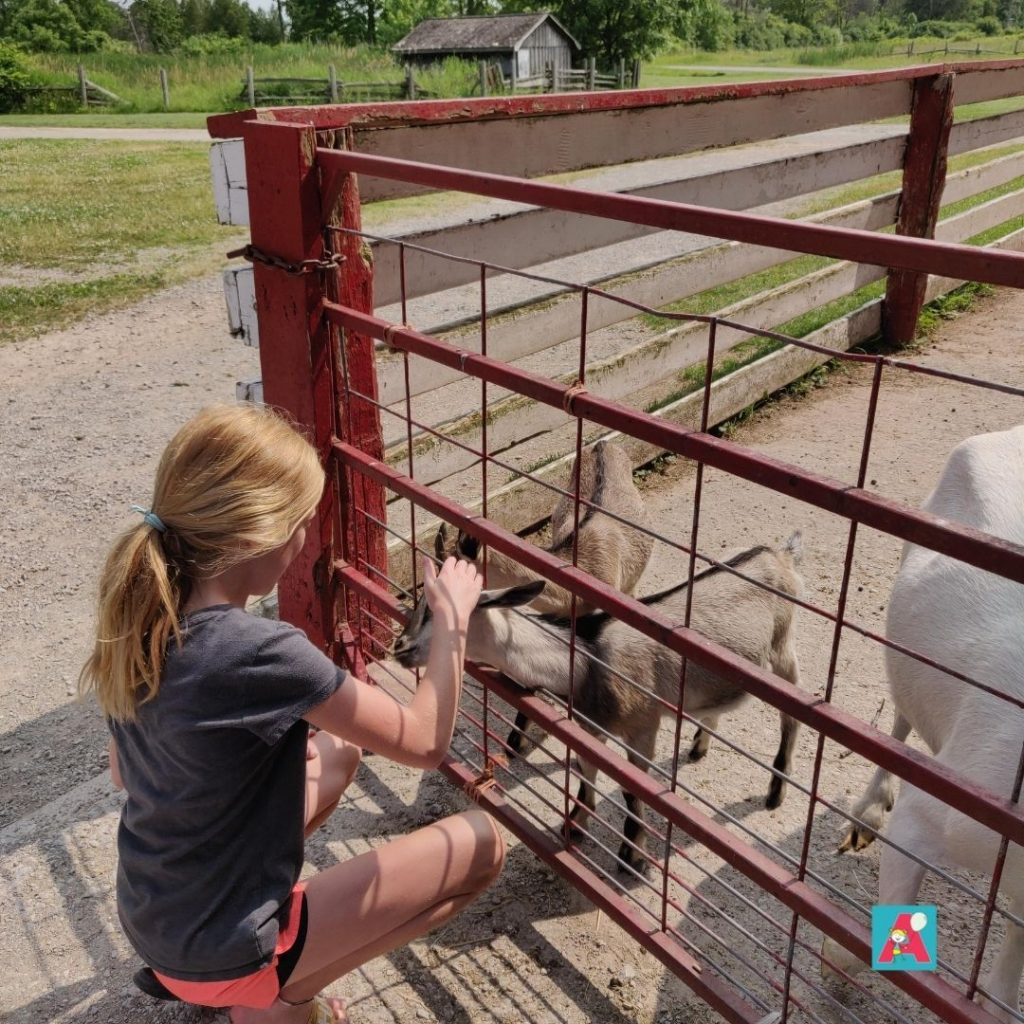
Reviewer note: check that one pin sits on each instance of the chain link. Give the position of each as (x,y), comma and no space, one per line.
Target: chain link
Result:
(328,261)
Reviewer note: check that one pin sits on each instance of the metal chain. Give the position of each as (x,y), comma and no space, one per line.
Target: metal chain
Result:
(312,266)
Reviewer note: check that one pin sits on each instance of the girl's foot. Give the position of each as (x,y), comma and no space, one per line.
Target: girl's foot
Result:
(320,1010)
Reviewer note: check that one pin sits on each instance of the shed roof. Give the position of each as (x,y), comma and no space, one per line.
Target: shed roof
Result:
(484,34)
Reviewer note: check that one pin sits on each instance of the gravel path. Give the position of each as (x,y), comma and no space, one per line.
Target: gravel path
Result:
(110,134)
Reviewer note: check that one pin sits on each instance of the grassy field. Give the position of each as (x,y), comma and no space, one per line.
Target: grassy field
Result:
(216,81)
(91,226)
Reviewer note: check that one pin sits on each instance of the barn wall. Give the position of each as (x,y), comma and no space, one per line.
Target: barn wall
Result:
(547,46)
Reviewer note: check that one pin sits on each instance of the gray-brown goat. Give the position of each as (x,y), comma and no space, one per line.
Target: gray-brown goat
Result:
(608,549)
(620,673)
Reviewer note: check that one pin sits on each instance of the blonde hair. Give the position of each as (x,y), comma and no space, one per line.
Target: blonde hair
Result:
(235,482)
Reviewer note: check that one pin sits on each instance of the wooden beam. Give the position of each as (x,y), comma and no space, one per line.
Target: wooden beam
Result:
(924,175)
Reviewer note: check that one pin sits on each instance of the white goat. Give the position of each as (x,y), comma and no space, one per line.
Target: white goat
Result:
(972,622)
(616,666)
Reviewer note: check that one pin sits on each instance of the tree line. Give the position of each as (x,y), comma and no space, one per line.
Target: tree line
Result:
(607,29)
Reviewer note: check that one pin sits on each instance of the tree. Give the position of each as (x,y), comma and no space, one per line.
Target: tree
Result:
(161,22)
(265,27)
(229,18)
(343,21)
(49,25)
(614,30)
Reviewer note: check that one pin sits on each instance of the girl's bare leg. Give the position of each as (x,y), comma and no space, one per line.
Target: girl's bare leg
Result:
(384,899)
(328,775)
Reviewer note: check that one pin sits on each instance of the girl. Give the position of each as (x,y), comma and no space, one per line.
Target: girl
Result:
(209,710)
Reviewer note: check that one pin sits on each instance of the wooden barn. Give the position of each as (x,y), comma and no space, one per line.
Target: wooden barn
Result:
(523,44)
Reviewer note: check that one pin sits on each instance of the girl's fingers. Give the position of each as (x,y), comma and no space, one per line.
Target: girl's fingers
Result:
(429,572)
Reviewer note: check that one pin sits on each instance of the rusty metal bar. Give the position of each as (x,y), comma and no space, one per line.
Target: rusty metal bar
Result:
(845,729)
(948,260)
(964,543)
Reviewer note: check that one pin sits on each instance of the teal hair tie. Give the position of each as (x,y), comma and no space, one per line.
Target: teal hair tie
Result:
(150,518)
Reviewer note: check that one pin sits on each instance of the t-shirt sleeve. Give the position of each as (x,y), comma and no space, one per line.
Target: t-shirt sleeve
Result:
(288,677)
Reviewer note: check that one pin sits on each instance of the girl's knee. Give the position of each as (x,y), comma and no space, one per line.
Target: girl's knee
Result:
(489,853)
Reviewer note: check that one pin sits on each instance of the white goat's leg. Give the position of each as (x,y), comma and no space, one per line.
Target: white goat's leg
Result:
(877,799)
(899,877)
(1003,981)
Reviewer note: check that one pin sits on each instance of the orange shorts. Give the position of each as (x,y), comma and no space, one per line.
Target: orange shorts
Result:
(257,991)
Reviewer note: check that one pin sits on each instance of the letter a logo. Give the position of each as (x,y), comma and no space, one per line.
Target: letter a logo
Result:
(903,938)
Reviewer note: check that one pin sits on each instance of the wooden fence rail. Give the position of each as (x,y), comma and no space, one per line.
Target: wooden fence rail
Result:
(650,366)
(88,93)
(330,89)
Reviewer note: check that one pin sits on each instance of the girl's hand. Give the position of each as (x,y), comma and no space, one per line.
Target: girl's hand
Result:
(452,594)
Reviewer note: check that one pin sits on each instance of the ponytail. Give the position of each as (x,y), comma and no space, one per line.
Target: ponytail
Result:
(235,482)
(138,615)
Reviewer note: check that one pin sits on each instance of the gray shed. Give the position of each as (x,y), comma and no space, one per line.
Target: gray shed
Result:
(532,41)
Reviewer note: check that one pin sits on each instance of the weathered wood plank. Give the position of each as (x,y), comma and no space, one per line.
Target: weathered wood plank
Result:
(988,84)
(535,235)
(986,131)
(981,218)
(227,168)
(531,147)
(240,298)
(640,376)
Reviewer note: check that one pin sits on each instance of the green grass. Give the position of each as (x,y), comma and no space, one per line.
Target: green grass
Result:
(214,81)
(862,56)
(113,119)
(88,226)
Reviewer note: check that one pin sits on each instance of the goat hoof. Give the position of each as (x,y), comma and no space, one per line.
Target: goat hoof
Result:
(515,742)
(697,753)
(630,862)
(774,798)
(856,839)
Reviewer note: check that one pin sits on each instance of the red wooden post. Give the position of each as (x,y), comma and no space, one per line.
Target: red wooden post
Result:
(285,219)
(362,501)
(299,358)
(924,177)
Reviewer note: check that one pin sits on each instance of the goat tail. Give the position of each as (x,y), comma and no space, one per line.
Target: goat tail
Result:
(794,547)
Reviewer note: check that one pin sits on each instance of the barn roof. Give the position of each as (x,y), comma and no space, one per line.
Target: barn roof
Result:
(483,34)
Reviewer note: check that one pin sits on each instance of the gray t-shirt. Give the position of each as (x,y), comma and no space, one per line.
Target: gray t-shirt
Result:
(210,842)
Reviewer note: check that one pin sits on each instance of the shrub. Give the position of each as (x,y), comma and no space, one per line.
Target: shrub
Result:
(214,44)
(989,26)
(15,77)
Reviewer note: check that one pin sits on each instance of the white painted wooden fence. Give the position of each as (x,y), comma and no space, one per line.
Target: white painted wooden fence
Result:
(631,361)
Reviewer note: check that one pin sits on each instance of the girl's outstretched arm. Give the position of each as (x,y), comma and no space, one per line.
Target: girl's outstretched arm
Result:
(418,733)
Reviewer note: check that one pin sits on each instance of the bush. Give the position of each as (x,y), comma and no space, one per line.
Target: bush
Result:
(15,77)
(938,29)
(214,44)
(989,26)
(763,31)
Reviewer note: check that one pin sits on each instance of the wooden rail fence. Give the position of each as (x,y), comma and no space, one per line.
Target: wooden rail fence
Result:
(655,365)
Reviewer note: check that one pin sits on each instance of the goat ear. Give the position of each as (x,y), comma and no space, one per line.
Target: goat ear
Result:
(441,541)
(511,597)
(468,547)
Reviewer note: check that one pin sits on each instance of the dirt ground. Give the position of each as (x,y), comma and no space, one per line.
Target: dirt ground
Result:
(84,415)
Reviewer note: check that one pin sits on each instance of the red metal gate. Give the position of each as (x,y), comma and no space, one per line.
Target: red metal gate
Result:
(314,282)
